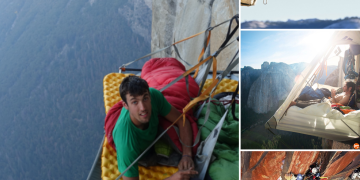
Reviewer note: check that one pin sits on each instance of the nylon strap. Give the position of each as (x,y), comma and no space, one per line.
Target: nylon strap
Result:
(350,127)
(177,52)
(187,86)
(202,53)
(233,102)
(189,37)
(203,80)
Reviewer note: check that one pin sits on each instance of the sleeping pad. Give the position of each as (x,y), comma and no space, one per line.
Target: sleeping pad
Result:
(159,72)
(226,151)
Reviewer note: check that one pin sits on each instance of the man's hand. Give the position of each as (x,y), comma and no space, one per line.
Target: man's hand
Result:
(183,174)
(333,92)
(186,162)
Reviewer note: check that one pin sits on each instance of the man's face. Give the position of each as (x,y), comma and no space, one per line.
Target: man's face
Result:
(345,88)
(139,108)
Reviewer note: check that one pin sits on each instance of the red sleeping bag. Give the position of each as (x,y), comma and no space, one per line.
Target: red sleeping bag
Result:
(159,72)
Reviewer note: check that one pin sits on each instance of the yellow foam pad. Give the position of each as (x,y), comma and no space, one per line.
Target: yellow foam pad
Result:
(226,85)
(109,168)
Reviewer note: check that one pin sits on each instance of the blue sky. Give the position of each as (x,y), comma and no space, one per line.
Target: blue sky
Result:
(282,10)
(281,46)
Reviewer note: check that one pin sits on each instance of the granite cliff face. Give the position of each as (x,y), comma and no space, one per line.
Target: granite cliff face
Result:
(274,84)
(138,17)
(332,79)
(248,76)
(298,67)
(273,164)
(174,20)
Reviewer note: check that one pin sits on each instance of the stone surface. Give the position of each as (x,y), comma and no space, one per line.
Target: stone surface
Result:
(248,77)
(255,157)
(332,79)
(264,65)
(340,163)
(345,24)
(270,166)
(174,20)
(274,84)
(301,161)
(298,67)
(138,16)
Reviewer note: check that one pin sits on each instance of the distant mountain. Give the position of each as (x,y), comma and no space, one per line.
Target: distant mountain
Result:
(248,77)
(262,89)
(326,74)
(346,23)
(53,58)
(274,84)
(298,67)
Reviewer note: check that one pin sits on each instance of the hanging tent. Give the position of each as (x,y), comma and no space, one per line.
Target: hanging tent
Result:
(319,119)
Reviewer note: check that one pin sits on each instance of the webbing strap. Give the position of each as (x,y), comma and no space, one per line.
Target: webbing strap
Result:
(203,80)
(350,128)
(190,37)
(124,65)
(229,35)
(177,52)
(207,147)
(227,71)
(202,53)
(233,103)
(187,86)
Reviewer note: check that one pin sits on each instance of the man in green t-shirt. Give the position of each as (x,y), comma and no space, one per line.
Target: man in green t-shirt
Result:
(137,127)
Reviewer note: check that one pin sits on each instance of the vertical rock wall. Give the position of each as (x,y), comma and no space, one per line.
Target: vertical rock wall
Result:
(274,84)
(270,165)
(174,20)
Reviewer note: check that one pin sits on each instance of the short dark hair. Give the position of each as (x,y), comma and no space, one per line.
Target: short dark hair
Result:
(352,85)
(133,85)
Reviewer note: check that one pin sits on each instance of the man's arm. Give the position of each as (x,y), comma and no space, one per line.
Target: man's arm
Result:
(130,178)
(345,100)
(333,100)
(186,138)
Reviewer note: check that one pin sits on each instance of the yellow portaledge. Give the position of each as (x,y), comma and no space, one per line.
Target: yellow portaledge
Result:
(109,169)
(226,85)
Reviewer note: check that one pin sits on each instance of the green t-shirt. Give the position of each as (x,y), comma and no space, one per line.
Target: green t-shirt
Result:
(131,141)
